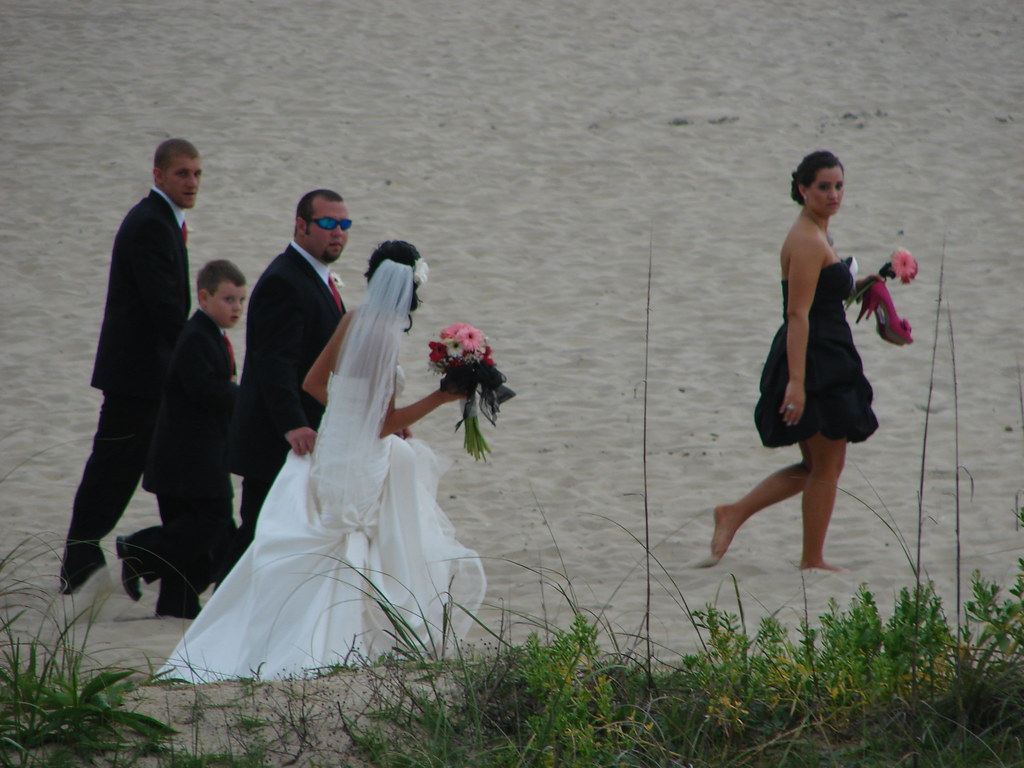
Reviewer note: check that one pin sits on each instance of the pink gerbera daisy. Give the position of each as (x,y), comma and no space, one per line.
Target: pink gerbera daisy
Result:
(904,265)
(471,338)
(453,330)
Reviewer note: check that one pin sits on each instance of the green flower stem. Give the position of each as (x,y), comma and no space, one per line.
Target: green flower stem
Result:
(475,444)
(860,292)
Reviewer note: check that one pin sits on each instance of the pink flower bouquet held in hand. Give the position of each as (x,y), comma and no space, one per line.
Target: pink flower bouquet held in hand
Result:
(901,265)
(874,298)
(461,354)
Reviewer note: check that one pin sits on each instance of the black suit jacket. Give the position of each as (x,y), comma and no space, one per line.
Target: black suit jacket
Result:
(291,316)
(188,456)
(148,298)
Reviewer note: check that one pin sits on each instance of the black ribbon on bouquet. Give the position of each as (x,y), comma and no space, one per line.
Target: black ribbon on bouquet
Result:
(887,270)
(484,386)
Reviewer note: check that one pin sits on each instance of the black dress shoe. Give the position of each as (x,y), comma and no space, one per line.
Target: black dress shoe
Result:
(130,573)
(69,585)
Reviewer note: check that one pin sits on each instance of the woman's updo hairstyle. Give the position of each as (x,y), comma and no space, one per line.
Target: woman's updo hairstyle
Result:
(808,169)
(400,252)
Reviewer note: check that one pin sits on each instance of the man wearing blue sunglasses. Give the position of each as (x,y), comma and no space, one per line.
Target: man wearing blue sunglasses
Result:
(293,310)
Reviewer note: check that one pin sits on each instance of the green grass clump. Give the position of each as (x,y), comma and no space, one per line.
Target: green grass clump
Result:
(51,706)
(855,691)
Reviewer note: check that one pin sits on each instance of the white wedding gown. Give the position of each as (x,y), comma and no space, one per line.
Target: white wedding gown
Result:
(326,582)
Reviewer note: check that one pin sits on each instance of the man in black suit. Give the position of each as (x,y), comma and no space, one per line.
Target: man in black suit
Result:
(188,458)
(148,298)
(293,310)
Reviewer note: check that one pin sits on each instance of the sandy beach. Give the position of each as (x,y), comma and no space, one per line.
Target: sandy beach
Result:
(541,156)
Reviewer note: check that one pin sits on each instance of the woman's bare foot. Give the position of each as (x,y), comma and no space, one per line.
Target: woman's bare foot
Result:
(821,565)
(725,529)
(726,526)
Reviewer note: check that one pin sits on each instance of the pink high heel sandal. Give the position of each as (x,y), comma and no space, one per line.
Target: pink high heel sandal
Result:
(889,325)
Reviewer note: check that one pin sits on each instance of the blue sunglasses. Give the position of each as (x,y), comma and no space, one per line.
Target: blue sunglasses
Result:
(329,224)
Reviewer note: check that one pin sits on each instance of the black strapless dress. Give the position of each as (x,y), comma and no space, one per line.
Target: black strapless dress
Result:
(838,395)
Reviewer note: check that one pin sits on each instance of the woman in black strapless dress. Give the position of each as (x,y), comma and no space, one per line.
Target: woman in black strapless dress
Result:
(813,390)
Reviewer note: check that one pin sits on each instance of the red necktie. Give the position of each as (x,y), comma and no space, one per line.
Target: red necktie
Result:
(184,236)
(231,354)
(334,292)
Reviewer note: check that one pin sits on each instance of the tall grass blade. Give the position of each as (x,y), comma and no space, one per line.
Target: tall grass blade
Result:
(647,514)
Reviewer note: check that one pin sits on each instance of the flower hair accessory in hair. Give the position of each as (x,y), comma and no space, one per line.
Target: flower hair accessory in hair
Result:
(420,273)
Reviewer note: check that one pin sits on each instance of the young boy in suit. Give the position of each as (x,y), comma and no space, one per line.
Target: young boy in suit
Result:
(187,465)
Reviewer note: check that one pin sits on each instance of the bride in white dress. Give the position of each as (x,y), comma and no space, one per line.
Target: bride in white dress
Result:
(352,555)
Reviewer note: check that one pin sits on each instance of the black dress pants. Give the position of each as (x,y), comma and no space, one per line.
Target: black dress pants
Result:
(254,493)
(111,476)
(184,552)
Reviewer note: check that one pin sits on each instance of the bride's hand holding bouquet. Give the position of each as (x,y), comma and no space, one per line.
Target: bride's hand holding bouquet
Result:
(461,354)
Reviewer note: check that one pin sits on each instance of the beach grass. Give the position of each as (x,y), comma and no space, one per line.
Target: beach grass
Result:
(859,690)
(54,706)
(853,688)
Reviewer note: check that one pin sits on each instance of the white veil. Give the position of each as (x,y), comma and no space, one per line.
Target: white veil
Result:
(347,473)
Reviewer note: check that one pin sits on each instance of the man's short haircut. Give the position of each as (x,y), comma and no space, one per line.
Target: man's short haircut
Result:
(304,210)
(216,272)
(172,148)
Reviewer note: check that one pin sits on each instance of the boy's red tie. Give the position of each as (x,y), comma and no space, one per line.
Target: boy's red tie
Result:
(231,355)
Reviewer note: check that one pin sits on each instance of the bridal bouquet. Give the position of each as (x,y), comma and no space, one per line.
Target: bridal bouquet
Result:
(461,354)
(900,265)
